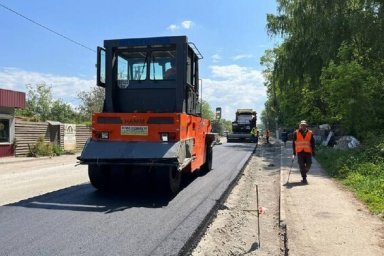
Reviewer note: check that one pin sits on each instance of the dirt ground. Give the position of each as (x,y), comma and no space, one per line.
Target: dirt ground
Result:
(234,231)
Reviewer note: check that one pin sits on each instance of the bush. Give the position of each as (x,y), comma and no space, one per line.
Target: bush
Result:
(334,161)
(57,150)
(45,149)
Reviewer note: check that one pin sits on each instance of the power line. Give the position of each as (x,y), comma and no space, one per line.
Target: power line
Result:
(47,28)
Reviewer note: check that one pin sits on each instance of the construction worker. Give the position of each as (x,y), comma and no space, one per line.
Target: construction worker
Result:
(284,136)
(252,122)
(255,134)
(267,134)
(304,147)
(171,72)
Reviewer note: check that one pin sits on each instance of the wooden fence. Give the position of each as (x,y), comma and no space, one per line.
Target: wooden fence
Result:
(27,134)
(83,132)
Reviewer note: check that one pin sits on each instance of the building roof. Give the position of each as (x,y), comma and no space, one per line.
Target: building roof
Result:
(12,99)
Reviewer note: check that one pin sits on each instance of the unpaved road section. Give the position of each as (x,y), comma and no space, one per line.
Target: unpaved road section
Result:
(234,230)
(323,218)
(24,179)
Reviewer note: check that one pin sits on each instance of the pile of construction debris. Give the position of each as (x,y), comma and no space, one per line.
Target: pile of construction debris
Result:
(327,137)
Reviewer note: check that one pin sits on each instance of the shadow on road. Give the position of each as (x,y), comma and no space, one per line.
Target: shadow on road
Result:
(85,197)
(294,184)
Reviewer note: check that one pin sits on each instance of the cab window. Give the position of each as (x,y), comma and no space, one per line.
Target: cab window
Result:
(130,66)
(163,65)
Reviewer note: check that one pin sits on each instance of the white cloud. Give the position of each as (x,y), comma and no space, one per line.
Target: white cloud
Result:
(232,87)
(63,87)
(216,58)
(186,24)
(242,56)
(173,27)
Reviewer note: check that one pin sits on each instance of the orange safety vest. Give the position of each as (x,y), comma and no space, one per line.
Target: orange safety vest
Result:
(303,143)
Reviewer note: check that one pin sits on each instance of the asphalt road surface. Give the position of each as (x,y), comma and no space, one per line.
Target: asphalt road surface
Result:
(79,220)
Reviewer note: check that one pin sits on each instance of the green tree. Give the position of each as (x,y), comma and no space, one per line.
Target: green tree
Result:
(346,87)
(206,111)
(38,103)
(227,125)
(218,126)
(40,106)
(91,101)
(329,66)
(63,112)
(221,126)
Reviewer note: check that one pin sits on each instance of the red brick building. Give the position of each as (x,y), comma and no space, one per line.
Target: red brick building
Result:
(9,101)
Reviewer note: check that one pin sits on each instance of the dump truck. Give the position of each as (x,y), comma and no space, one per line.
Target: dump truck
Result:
(244,127)
(151,119)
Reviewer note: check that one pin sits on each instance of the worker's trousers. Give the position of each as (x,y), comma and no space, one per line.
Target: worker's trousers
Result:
(305,161)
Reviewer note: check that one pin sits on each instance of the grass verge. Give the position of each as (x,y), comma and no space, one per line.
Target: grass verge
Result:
(361,170)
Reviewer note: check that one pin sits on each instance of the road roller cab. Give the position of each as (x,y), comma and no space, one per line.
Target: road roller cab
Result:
(151,116)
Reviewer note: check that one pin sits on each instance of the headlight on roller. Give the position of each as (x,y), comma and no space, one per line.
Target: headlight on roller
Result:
(104,135)
(164,136)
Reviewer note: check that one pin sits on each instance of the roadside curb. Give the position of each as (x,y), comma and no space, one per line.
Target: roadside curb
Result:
(22,159)
(282,217)
(14,160)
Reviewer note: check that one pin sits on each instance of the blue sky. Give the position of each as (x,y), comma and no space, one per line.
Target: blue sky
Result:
(231,35)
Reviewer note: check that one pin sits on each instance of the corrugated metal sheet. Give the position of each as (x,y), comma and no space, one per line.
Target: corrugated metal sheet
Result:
(12,99)
(83,132)
(27,133)
(6,150)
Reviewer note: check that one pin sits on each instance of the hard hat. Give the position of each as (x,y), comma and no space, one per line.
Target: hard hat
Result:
(303,122)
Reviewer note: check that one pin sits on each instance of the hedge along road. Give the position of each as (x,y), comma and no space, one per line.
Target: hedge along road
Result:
(78,220)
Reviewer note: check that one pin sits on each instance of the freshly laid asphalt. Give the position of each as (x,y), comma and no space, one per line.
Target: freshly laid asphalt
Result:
(79,220)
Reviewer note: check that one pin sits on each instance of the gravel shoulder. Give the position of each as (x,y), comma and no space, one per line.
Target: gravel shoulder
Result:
(234,231)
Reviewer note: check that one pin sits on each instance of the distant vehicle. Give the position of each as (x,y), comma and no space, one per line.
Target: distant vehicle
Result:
(244,127)
(151,120)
